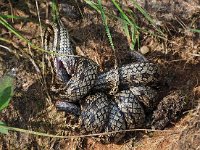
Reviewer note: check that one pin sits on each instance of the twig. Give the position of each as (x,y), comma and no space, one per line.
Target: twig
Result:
(194,54)
(38,13)
(79,136)
(5,47)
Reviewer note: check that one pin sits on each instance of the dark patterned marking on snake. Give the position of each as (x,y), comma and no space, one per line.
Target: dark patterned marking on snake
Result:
(116,122)
(94,113)
(128,103)
(98,113)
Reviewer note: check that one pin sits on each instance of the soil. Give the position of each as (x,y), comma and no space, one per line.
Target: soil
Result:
(178,55)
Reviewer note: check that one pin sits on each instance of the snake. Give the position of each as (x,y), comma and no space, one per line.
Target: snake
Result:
(114,100)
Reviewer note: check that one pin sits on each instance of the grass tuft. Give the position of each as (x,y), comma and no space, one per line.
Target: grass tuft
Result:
(127,18)
(105,22)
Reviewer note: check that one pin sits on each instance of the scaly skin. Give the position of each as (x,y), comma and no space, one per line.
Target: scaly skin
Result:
(133,112)
(64,49)
(98,113)
(146,96)
(68,108)
(63,54)
(140,73)
(95,112)
(81,82)
(78,74)
(116,122)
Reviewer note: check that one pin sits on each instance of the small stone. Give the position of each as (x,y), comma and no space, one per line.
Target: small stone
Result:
(144,50)
(79,51)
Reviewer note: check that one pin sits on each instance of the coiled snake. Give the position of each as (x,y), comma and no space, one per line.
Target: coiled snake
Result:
(101,109)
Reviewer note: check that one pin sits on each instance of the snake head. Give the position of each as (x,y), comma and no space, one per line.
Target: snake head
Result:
(68,108)
(61,71)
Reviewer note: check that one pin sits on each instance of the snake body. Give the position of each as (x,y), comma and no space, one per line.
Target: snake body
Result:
(81,82)
(100,110)
(130,74)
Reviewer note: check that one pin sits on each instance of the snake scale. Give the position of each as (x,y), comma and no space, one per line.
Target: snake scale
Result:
(109,101)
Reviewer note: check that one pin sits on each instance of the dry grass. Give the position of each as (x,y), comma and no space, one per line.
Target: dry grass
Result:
(33,107)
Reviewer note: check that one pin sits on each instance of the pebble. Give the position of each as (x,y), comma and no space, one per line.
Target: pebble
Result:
(144,50)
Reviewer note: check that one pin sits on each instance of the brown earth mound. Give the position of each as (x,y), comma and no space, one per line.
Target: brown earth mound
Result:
(178,56)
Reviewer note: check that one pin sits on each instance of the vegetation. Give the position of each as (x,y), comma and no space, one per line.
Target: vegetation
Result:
(6,93)
(128,23)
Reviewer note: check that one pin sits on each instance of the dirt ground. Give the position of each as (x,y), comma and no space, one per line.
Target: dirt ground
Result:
(178,56)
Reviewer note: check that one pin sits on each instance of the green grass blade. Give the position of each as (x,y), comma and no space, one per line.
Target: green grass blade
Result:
(10,28)
(12,17)
(15,32)
(133,37)
(6,90)
(54,10)
(133,26)
(125,28)
(106,24)
(121,12)
(134,30)
(3,130)
(6,40)
(147,16)
(142,11)
(195,30)
(94,5)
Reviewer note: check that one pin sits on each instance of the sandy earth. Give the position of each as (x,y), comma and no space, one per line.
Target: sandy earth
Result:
(178,56)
